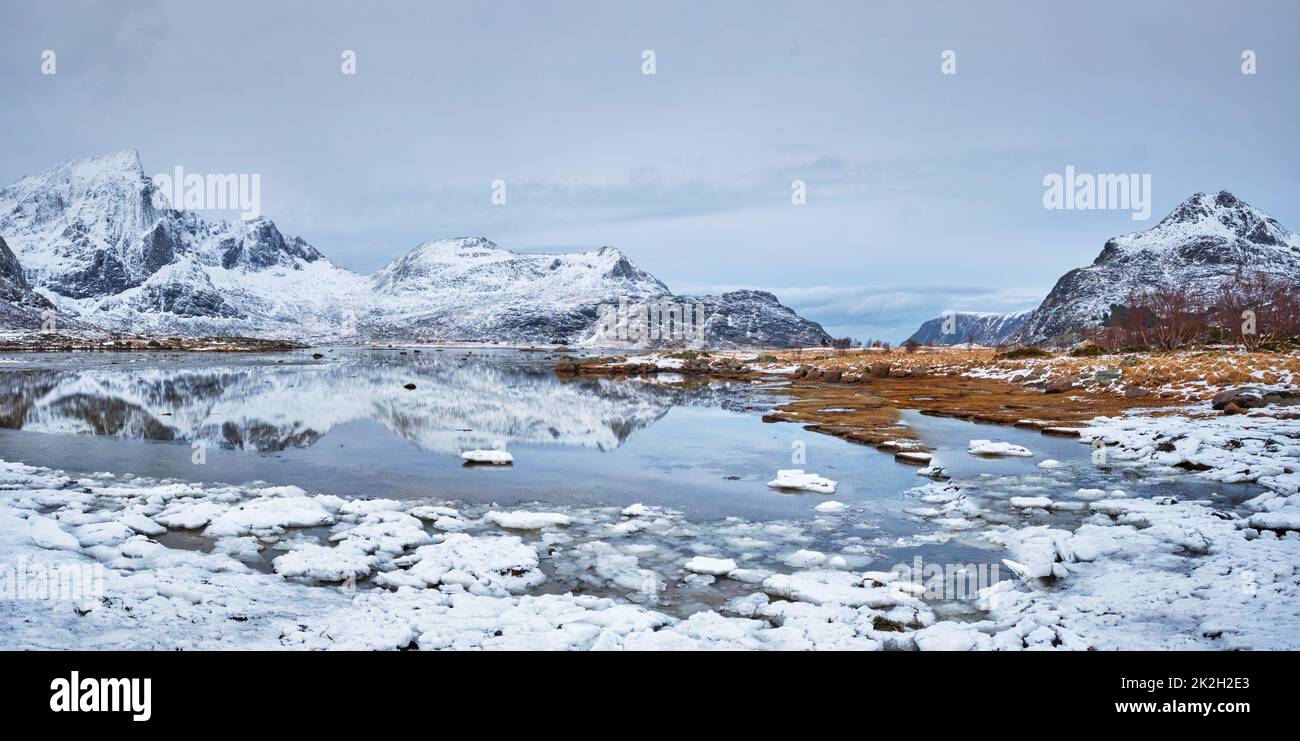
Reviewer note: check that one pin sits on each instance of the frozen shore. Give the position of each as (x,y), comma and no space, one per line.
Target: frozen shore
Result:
(205,566)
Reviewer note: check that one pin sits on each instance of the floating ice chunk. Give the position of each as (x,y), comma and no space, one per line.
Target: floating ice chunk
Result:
(384,532)
(1020,570)
(837,562)
(1038,552)
(271,515)
(795,478)
(46,533)
(496,457)
(711,566)
(938,473)
(749,576)
(1030,502)
(1090,493)
(141,524)
(989,447)
(368,506)
(913,456)
(244,548)
(636,510)
(102,533)
(831,506)
(497,564)
(747,606)
(520,520)
(190,515)
(802,559)
(324,563)
(600,563)
(829,587)
(1051,463)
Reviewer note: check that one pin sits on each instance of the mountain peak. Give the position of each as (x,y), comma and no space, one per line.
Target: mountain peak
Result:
(78,176)
(1219,217)
(455,245)
(1201,205)
(1205,240)
(125,162)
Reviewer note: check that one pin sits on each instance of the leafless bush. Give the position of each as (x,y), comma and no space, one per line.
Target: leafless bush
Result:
(1179,318)
(1164,318)
(1254,310)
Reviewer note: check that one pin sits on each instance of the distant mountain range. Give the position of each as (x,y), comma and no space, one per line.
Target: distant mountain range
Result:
(98,240)
(969,328)
(1206,240)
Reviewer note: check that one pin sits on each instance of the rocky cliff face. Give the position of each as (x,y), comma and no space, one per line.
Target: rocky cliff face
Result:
(20,306)
(101,239)
(1206,240)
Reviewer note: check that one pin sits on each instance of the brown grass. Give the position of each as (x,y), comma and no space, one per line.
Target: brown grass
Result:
(876,403)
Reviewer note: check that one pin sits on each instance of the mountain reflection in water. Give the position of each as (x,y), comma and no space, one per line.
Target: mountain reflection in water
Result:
(459,402)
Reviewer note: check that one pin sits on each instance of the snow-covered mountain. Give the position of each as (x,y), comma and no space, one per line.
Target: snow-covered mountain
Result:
(970,327)
(100,239)
(104,243)
(470,289)
(1204,241)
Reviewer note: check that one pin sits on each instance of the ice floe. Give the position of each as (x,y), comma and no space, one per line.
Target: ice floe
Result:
(991,448)
(523,520)
(494,457)
(795,478)
(711,566)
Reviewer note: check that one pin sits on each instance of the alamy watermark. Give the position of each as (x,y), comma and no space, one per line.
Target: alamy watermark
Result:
(654,320)
(1103,191)
(216,191)
(77,694)
(70,580)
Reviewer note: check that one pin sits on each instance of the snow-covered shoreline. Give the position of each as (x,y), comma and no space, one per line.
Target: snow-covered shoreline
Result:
(451,577)
(1147,573)
(1134,572)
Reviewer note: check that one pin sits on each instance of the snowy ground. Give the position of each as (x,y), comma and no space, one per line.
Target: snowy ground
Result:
(385,574)
(1133,573)
(203,566)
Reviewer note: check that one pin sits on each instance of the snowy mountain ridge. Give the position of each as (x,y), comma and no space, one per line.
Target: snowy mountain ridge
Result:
(969,327)
(1205,241)
(101,241)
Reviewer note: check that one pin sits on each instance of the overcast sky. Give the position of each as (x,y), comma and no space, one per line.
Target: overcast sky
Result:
(924,190)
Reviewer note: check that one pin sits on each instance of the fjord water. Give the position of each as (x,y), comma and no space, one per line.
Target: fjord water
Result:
(346,424)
